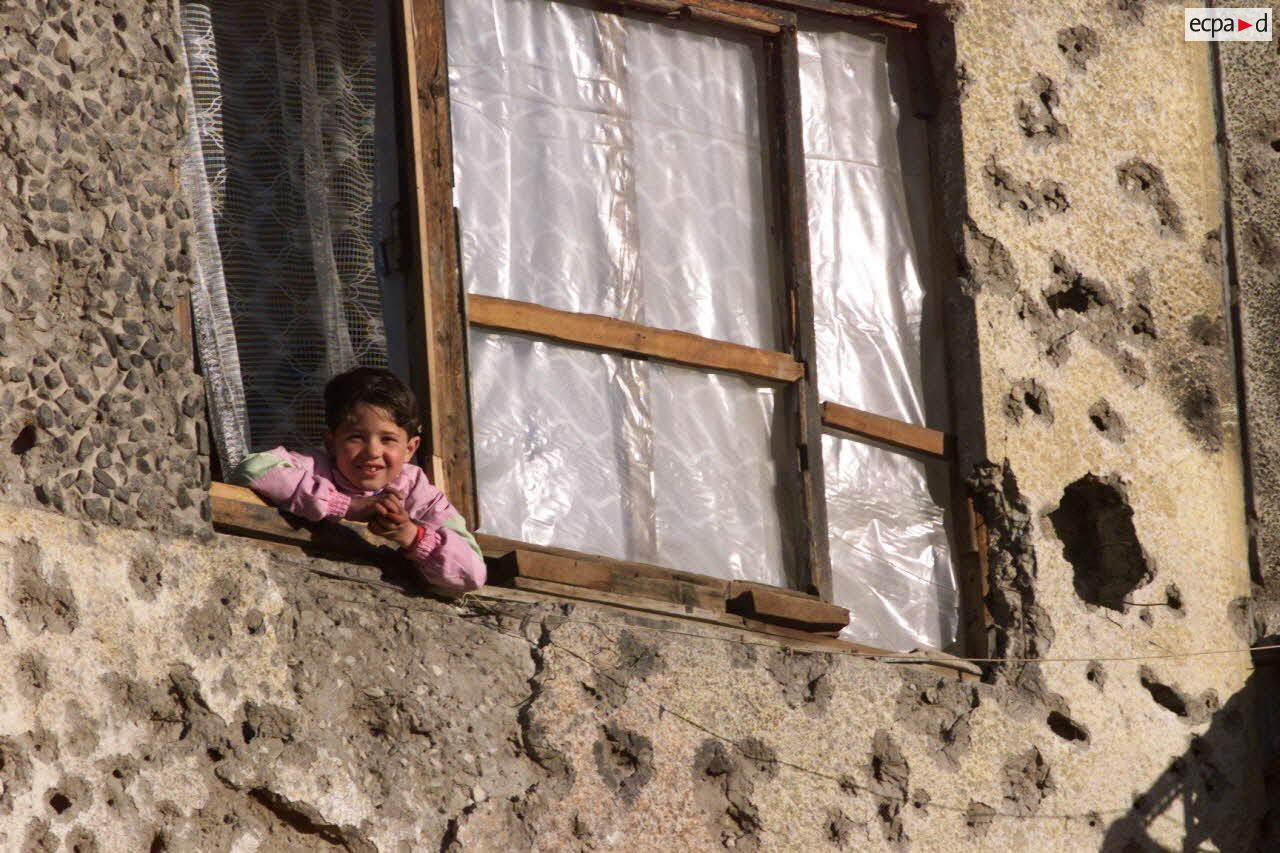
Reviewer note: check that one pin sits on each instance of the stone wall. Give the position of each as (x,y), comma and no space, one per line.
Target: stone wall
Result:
(173,689)
(98,399)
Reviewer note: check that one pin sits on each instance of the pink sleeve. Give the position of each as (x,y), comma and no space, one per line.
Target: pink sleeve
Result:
(444,558)
(288,481)
(446,555)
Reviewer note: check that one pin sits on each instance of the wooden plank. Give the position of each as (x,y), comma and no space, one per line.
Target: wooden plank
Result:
(697,13)
(918,439)
(786,608)
(760,19)
(495,545)
(437,362)
(744,12)
(787,154)
(238,510)
(855,11)
(591,330)
(630,602)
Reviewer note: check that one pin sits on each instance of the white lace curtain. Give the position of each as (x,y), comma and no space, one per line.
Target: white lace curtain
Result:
(280,170)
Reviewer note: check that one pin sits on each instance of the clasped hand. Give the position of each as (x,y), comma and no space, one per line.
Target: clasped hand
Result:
(386,516)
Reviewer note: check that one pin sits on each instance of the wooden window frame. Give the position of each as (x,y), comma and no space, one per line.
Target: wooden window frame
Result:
(440,314)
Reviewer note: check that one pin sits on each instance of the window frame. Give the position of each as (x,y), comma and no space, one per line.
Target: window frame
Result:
(440,313)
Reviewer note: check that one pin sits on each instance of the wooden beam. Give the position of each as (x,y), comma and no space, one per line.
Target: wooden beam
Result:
(615,577)
(856,11)
(787,164)
(746,16)
(591,330)
(436,346)
(785,607)
(238,510)
(904,436)
(497,545)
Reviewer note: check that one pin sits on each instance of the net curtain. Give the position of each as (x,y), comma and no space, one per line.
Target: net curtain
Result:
(280,170)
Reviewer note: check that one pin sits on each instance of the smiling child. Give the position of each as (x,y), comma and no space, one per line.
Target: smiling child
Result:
(365,474)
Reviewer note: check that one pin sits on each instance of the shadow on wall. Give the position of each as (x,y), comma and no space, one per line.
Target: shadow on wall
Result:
(1216,812)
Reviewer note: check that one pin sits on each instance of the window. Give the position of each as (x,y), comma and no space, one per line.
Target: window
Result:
(674,306)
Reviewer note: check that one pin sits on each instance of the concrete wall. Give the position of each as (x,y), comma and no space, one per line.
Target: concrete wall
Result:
(174,689)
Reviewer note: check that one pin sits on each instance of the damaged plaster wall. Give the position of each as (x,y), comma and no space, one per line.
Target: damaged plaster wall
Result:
(213,696)
(171,689)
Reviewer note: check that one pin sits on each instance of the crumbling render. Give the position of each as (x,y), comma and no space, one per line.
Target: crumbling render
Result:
(986,264)
(1028,395)
(1144,182)
(725,779)
(1039,123)
(1078,45)
(1033,202)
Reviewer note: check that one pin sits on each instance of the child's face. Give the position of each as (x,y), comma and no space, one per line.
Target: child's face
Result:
(369,448)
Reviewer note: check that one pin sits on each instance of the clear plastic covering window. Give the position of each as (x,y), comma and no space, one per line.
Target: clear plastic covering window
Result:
(879,346)
(629,459)
(612,165)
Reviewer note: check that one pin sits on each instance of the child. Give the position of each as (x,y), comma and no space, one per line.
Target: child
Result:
(365,475)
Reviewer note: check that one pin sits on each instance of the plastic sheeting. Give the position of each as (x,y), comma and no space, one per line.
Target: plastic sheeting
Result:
(626,458)
(611,166)
(866,177)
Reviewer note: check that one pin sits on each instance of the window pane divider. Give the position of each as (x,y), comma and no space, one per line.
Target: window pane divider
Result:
(787,156)
(759,19)
(899,434)
(437,362)
(607,333)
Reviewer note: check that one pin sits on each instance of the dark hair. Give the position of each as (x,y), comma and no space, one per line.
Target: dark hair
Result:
(371,386)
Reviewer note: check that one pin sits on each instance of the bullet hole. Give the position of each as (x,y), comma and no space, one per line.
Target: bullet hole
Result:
(1078,45)
(1095,525)
(1027,781)
(1037,119)
(625,760)
(986,264)
(59,802)
(1066,728)
(121,22)
(1107,421)
(1169,698)
(1130,11)
(979,817)
(1096,675)
(1071,290)
(1033,202)
(158,844)
(1275,145)
(1173,598)
(839,829)
(1144,182)
(24,441)
(1028,395)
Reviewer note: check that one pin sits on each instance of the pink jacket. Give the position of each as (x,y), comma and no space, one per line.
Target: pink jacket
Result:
(307,485)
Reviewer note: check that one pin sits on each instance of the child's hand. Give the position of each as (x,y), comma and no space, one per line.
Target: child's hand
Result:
(391,521)
(362,509)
